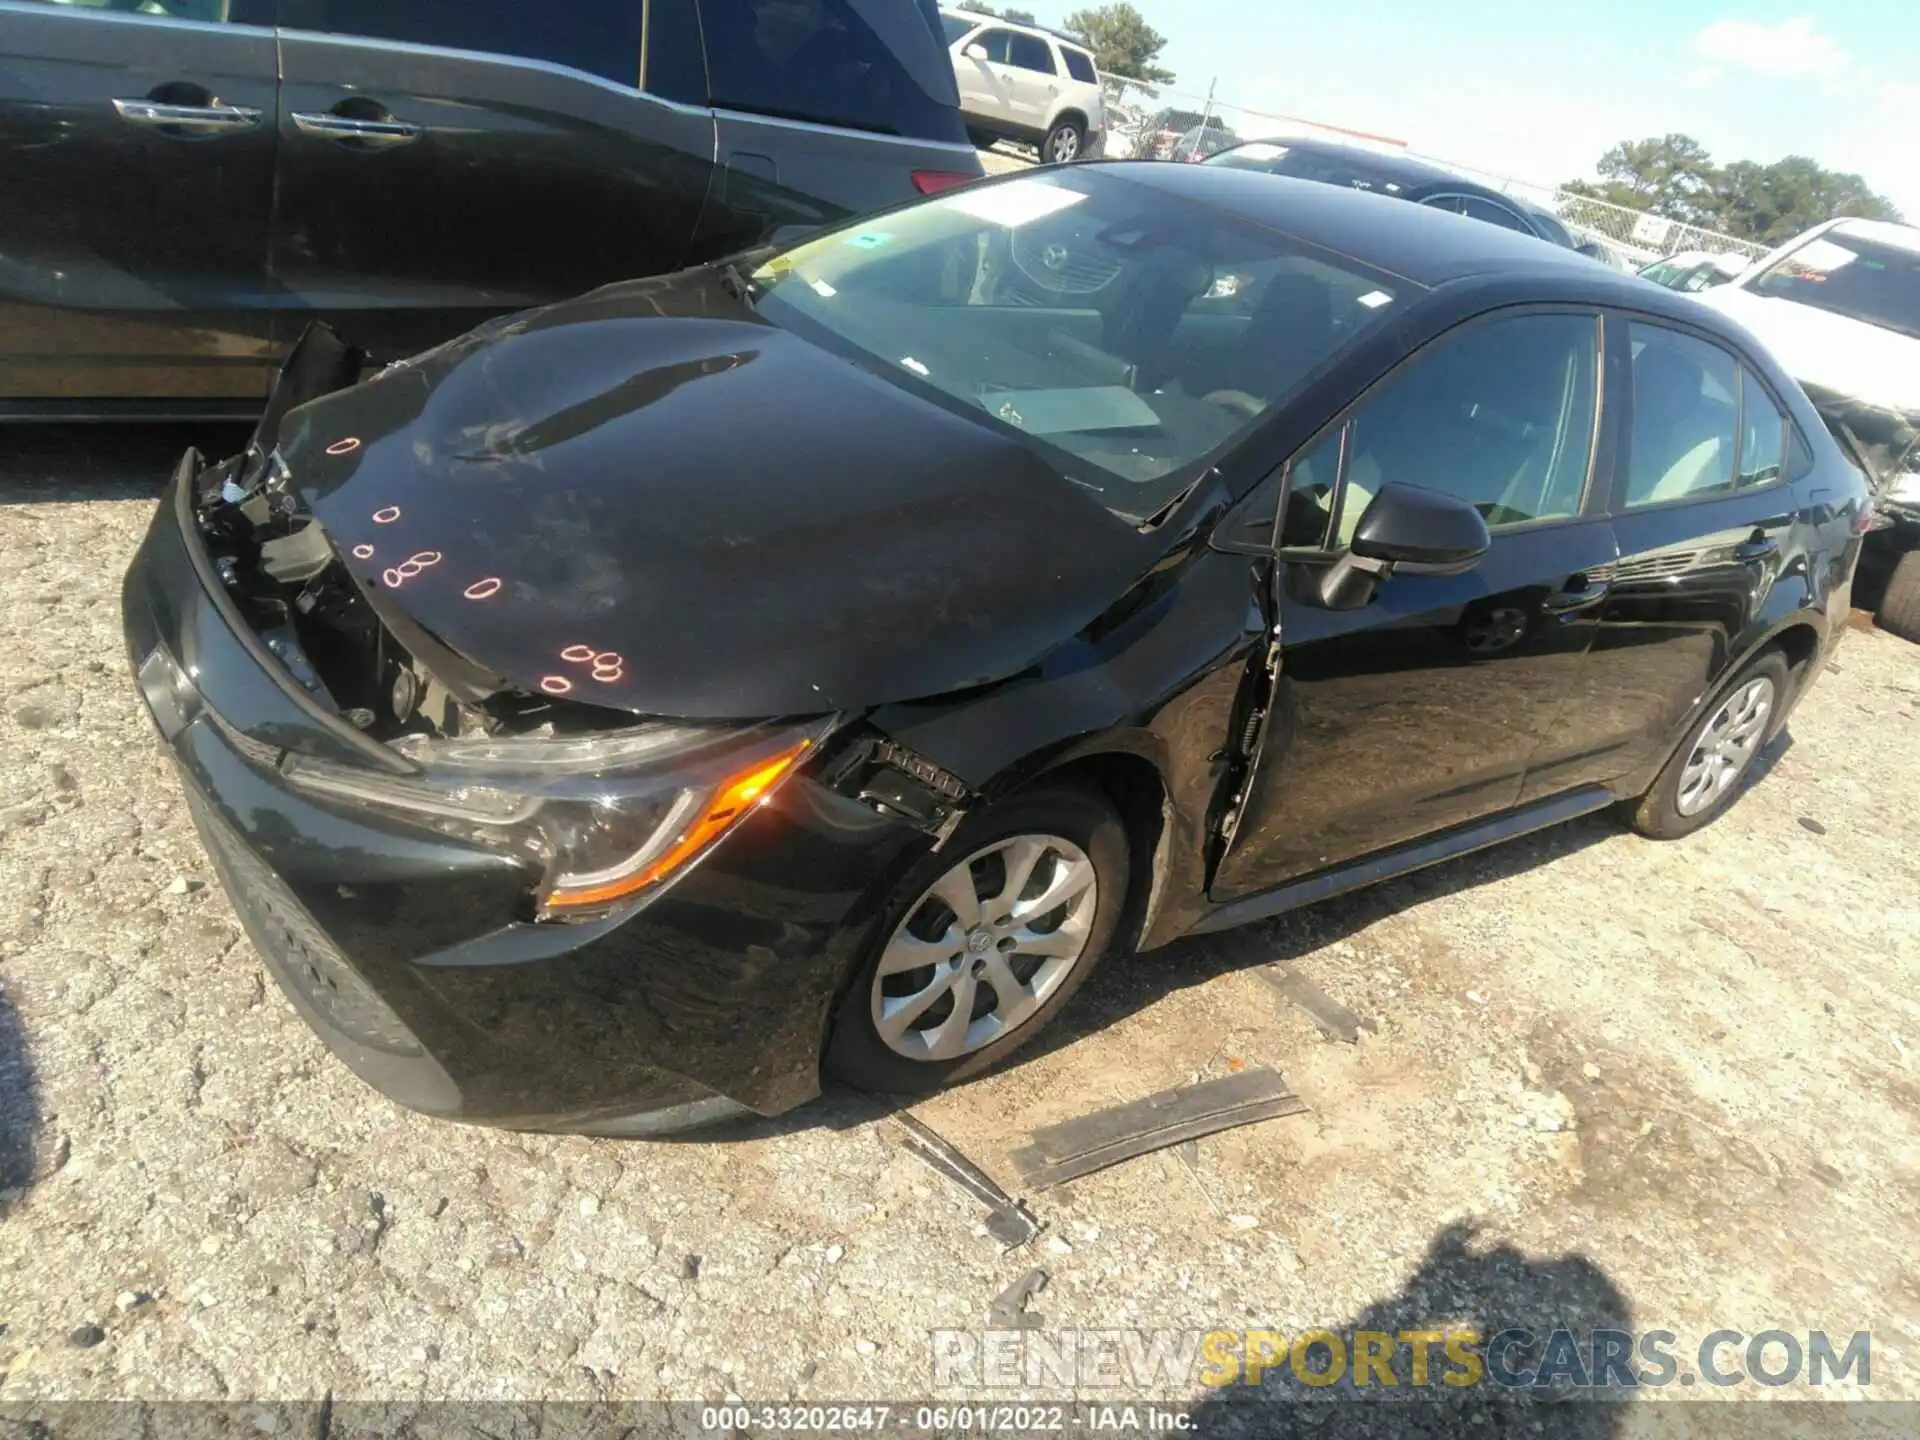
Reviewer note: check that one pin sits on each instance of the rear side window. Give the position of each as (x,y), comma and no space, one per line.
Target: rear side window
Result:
(1763,431)
(676,65)
(877,65)
(601,37)
(1030,52)
(1684,417)
(1080,66)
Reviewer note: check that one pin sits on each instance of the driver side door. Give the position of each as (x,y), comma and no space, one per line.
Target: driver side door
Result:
(1422,709)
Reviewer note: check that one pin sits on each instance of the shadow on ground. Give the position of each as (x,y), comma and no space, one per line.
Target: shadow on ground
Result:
(1512,1305)
(19,1106)
(48,464)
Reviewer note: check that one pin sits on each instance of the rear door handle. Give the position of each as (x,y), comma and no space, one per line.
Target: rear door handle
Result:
(195,120)
(359,134)
(1580,594)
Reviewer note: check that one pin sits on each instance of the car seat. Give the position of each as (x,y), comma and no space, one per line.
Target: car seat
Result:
(1288,334)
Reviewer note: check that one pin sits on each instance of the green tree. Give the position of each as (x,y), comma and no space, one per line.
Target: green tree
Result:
(1018,17)
(1122,42)
(1773,203)
(1674,177)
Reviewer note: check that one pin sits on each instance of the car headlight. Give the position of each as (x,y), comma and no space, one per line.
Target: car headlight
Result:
(611,818)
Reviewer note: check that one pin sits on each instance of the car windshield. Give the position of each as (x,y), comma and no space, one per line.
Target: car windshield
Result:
(1852,276)
(1127,335)
(955,27)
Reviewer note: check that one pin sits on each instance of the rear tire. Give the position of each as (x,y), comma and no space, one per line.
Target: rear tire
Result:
(1710,769)
(1900,605)
(1012,965)
(1066,141)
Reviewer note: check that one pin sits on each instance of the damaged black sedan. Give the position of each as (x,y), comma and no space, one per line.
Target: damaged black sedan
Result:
(628,713)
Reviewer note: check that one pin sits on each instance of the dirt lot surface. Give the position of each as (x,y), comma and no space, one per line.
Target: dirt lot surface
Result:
(1609,1080)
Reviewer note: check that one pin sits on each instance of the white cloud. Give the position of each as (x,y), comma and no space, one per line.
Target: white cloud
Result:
(1793,47)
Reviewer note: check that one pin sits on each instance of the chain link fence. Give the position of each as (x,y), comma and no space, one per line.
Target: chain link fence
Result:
(1158,123)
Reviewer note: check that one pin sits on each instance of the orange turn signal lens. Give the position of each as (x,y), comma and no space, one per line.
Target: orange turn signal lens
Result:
(729,803)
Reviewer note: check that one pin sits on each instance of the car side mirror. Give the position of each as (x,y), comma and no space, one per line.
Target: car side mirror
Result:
(1405,530)
(975,52)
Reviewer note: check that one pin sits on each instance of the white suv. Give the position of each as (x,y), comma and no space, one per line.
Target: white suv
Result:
(1018,82)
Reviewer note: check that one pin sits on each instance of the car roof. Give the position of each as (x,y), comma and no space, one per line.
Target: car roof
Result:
(1405,170)
(1064,41)
(1429,247)
(1905,237)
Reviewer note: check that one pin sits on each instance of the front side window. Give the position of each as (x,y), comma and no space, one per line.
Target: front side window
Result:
(1499,414)
(1684,416)
(1080,66)
(601,37)
(997,43)
(1030,52)
(876,65)
(1123,333)
(1843,273)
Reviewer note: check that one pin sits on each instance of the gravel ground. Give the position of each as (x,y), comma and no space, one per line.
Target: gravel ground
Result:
(1665,1085)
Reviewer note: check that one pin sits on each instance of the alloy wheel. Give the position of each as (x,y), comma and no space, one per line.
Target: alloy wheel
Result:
(1726,747)
(1065,146)
(984,947)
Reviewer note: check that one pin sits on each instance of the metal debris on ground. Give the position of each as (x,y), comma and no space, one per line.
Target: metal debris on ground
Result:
(1009,1308)
(1245,947)
(1080,1146)
(1008,1221)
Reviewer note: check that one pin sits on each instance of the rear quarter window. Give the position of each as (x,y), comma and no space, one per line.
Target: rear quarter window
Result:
(876,65)
(1080,66)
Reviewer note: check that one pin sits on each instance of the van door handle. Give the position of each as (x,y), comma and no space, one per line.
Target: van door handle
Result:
(194,121)
(355,133)
(1580,593)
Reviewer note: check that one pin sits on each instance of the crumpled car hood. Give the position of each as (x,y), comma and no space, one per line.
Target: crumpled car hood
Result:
(650,499)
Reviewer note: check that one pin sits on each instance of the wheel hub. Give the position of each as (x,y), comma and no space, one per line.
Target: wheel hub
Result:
(984,947)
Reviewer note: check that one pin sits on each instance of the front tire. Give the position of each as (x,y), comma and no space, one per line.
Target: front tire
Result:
(1900,605)
(981,139)
(985,942)
(1706,774)
(1065,142)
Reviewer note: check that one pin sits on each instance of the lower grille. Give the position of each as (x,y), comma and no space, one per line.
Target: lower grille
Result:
(305,962)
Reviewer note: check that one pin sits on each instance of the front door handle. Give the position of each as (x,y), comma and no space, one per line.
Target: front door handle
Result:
(188,120)
(1581,593)
(1757,548)
(354,133)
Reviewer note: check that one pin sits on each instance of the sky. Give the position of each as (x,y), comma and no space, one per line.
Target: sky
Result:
(1538,89)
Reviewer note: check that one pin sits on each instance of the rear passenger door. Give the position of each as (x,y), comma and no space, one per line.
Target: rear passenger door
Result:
(136,180)
(1702,506)
(445,160)
(1035,81)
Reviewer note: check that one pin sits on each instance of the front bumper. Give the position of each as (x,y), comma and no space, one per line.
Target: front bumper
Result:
(410,953)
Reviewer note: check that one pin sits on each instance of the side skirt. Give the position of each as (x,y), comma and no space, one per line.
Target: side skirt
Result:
(1405,859)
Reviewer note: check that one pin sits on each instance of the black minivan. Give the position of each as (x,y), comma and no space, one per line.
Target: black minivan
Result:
(186,184)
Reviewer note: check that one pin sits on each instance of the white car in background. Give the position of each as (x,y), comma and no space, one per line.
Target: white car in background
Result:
(1839,307)
(1019,82)
(1691,271)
